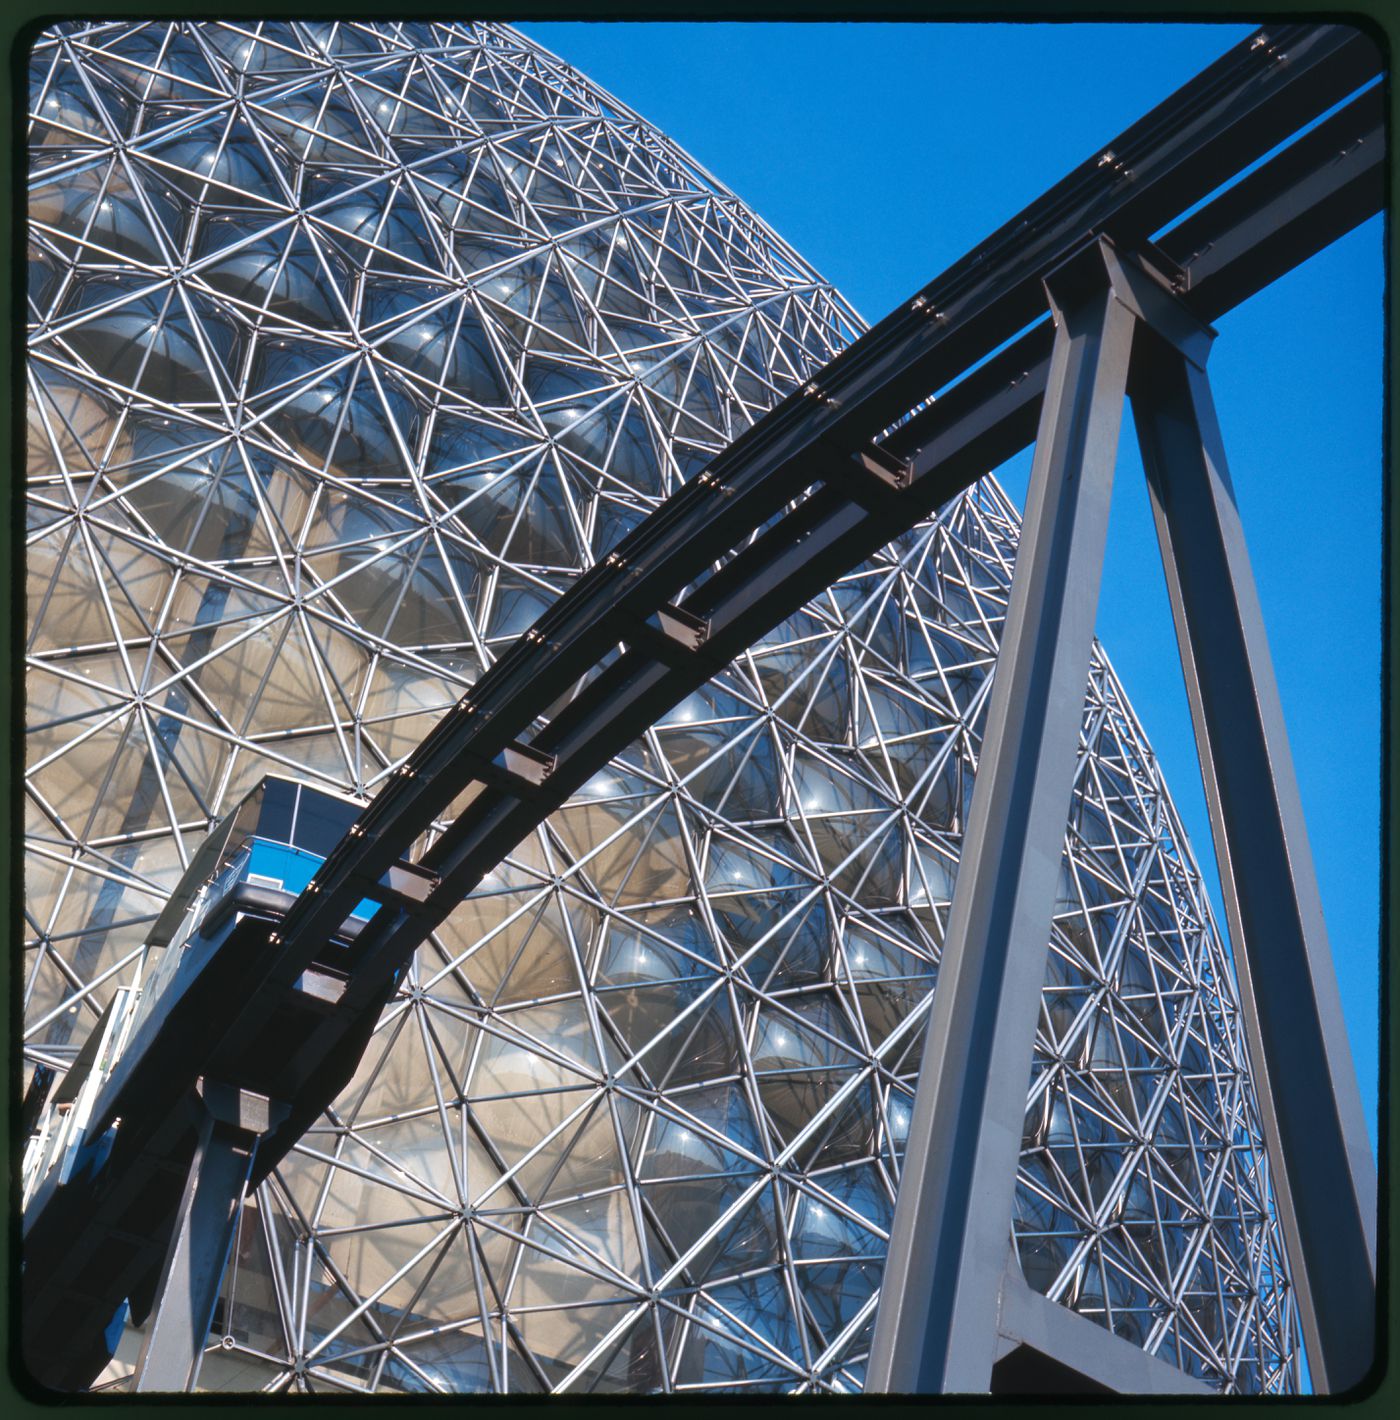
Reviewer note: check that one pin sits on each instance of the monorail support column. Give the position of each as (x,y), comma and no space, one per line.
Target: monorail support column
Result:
(233,1121)
(936,1329)
(1314,1125)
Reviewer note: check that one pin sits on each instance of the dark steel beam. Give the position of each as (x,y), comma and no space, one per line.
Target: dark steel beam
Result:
(1327,182)
(80,1291)
(1306,197)
(1314,1124)
(1309,1100)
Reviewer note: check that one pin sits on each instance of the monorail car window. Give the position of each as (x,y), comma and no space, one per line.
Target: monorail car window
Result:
(321,821)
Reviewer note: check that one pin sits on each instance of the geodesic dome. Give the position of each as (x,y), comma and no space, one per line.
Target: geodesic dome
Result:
(350,346)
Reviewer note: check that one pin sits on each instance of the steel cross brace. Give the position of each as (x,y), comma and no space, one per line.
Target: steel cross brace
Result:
(944,1298)
(1043,1346)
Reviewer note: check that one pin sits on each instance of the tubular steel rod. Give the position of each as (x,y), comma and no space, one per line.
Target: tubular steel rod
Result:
(1314,1124)
(936,1328)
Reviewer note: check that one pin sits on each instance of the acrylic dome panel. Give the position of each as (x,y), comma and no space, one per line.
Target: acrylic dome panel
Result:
(350,346)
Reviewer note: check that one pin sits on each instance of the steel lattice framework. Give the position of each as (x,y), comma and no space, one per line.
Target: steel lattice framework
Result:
(351,346)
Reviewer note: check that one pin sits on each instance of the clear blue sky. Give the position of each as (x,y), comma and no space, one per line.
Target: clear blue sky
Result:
(882,152)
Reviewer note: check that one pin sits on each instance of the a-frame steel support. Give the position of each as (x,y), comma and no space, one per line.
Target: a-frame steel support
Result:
(943,1303)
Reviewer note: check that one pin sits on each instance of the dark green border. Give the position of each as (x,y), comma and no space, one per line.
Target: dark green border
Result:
(18,23)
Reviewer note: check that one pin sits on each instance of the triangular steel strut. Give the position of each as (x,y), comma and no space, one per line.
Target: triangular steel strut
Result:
(946,1313)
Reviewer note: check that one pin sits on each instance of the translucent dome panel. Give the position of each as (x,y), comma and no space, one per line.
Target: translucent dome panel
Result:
(350,346)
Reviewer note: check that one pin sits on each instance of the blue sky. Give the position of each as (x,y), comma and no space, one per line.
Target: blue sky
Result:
(882,152)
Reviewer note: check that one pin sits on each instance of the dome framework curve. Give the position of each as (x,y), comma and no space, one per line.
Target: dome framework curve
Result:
(350,347)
